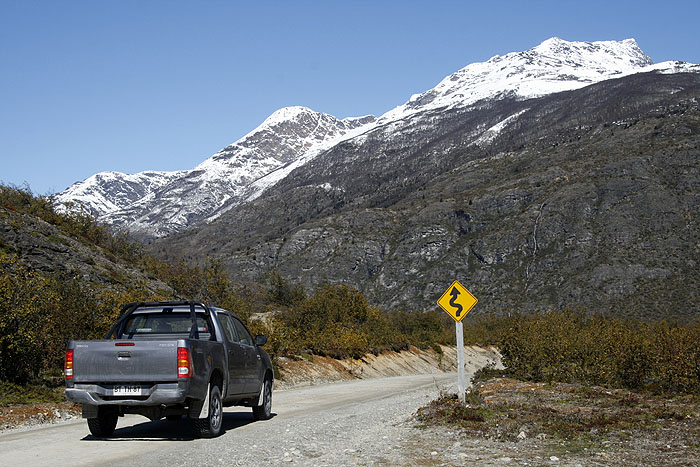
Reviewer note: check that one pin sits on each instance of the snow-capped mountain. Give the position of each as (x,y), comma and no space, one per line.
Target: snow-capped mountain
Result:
(154,204)
(107,192)
(553,66)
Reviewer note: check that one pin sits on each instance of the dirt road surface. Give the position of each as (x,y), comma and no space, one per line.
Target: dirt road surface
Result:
(363,422)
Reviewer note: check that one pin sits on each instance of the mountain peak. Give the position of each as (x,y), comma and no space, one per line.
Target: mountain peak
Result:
(552,42)
(611,55)
(287,113)
(555,65)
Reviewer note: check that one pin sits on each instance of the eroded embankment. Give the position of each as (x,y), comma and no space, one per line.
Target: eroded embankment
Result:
(314,369)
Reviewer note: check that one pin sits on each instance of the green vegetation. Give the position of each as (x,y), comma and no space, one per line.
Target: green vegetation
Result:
(13,394)
(582,382)
(41,312)
(337,321)
(622,353)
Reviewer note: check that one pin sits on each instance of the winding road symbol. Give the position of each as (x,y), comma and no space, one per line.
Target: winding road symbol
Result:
(453,302)
(457,301)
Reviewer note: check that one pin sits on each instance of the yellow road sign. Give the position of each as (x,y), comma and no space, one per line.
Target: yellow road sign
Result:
(457,301)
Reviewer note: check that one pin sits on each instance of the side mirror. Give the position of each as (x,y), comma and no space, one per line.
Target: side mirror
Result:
(260,340)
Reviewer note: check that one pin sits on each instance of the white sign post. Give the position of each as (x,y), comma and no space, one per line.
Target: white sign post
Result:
(457,301)
(461,377)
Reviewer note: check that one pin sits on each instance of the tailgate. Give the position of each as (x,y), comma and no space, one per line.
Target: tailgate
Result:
(134,361)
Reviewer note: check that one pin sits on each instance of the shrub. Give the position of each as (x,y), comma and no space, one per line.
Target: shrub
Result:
(571,346)
(283,292)
(24,301)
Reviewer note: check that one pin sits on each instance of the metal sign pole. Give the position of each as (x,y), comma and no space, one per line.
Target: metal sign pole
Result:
(461,380)
(457,301)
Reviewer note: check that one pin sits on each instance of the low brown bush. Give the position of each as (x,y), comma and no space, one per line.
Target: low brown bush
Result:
(574,347)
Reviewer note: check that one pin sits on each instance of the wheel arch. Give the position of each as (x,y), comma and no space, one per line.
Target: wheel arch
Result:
(217,378)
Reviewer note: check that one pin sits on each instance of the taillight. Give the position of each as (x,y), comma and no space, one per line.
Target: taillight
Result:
(184,363)
(68,368)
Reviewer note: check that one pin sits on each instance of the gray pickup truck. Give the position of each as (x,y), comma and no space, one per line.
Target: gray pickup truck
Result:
(169,359)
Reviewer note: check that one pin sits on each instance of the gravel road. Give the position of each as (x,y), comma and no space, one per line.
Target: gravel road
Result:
(364,422)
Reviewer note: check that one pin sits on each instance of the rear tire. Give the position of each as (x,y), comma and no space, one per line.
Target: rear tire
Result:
(103,426)
(264,411)
(210,427)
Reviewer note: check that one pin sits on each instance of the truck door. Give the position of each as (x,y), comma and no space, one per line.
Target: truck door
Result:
(253,359)
(236,357)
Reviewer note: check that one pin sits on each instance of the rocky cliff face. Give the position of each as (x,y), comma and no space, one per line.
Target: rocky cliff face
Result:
(49,251)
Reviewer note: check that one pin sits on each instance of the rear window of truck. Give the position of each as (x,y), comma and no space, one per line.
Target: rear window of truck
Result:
(141,324)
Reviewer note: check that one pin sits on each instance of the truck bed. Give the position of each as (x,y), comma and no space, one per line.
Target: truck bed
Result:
(128,361)
(139,371)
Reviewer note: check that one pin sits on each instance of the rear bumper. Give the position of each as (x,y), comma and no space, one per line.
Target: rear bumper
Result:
(151,395)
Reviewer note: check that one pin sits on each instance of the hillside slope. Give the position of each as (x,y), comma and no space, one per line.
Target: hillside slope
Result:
(587,197)
(50,251)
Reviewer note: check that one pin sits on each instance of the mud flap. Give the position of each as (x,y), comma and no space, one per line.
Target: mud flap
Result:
(205,407)
(261,397)
(200,409)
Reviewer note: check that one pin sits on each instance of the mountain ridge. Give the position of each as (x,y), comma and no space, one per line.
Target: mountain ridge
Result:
(157,203)
(154,204)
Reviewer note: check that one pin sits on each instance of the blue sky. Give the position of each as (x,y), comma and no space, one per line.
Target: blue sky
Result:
(162,85)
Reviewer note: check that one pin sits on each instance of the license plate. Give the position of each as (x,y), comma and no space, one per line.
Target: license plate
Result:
(126,390)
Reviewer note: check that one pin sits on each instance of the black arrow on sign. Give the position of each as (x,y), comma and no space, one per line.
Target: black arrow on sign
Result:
(453,300)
